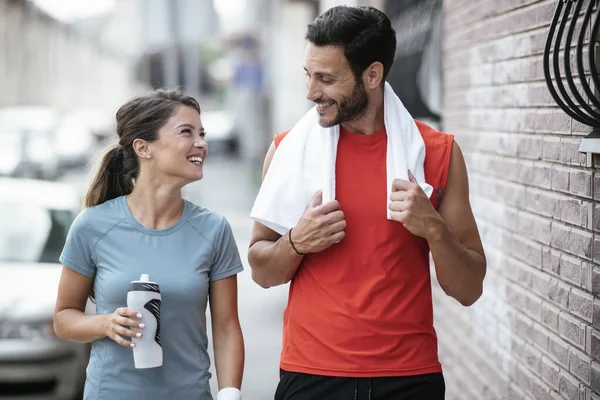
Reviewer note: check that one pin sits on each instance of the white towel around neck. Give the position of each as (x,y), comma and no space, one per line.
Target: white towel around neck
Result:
(305,163)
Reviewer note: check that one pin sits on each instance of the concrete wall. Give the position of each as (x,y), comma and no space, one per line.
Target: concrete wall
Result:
(535,332)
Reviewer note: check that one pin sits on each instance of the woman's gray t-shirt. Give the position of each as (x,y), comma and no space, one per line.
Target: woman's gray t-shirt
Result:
(107,243)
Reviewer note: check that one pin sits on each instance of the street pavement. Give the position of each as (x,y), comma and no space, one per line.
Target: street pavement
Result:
(229,187)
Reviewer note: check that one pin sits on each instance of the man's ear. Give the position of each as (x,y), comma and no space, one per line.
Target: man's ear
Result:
(373,75)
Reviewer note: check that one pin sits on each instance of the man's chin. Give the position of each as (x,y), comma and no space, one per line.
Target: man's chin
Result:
(327,122)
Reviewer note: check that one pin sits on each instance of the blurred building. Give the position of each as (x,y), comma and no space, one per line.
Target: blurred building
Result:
(44,61)
(173,33)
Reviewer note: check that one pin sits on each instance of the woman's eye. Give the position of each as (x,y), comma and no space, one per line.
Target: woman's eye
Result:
(187,131)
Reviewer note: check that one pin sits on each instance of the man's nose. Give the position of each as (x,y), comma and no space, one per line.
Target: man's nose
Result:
(313,91)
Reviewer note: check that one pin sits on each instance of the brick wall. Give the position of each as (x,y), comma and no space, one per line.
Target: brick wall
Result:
(535,333)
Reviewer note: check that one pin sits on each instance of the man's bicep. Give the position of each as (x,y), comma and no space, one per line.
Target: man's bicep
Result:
(261,232)
(455,207)
(268,159)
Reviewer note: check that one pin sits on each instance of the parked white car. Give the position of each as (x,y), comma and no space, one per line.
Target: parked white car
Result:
(35,217)
(221,134)
(79,134)
(28,142)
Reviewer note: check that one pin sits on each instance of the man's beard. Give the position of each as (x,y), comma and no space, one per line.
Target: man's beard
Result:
(351,107)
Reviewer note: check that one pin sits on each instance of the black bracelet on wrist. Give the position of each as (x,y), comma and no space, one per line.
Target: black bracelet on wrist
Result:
(292,243)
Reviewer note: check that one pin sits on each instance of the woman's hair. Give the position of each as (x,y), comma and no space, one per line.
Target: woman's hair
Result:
(140,118)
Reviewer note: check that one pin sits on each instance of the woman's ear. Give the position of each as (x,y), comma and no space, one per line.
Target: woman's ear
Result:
(141,148)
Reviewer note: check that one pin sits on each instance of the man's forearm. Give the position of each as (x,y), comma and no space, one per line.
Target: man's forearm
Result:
(460,271)
(273,263)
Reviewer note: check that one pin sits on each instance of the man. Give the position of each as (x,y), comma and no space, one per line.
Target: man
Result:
(359,320)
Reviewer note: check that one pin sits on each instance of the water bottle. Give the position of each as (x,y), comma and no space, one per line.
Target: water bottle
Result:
(144,297)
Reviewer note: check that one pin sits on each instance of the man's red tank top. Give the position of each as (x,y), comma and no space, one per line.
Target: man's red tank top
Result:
(363,307)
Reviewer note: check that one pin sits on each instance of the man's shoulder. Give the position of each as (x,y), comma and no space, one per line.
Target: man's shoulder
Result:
(280,136)
(432,136)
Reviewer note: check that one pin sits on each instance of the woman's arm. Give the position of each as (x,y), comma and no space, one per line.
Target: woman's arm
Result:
(70,321)
(228,341)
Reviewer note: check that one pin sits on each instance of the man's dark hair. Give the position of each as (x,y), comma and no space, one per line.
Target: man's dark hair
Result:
(365,34)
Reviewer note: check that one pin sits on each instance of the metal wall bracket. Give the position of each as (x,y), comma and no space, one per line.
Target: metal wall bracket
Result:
(579,102)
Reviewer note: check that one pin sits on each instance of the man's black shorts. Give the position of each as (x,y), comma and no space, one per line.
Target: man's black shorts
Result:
(297,386)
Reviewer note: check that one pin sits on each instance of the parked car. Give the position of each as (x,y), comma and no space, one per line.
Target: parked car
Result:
(28,132)
(220,132)
(79,134)
(35,217)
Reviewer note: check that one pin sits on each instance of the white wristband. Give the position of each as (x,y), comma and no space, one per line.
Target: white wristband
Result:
(229,393)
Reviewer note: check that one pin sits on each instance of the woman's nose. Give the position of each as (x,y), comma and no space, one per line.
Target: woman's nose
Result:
(201,143)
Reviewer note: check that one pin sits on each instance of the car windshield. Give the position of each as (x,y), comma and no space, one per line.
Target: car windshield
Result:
(31,233)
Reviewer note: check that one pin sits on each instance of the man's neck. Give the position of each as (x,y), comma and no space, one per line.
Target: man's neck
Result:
(370,122)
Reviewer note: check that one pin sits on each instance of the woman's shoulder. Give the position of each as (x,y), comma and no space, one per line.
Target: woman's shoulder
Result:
(210,224)
(100,218)
(202,215)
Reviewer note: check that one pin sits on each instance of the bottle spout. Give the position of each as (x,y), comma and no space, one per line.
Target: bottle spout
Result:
(145,278)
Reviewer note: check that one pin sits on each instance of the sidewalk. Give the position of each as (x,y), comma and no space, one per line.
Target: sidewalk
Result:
(227,189)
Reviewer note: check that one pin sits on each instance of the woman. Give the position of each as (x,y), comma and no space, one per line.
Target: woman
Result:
(136,222)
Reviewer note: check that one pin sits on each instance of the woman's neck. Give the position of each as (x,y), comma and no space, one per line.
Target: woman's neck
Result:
(155,205)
